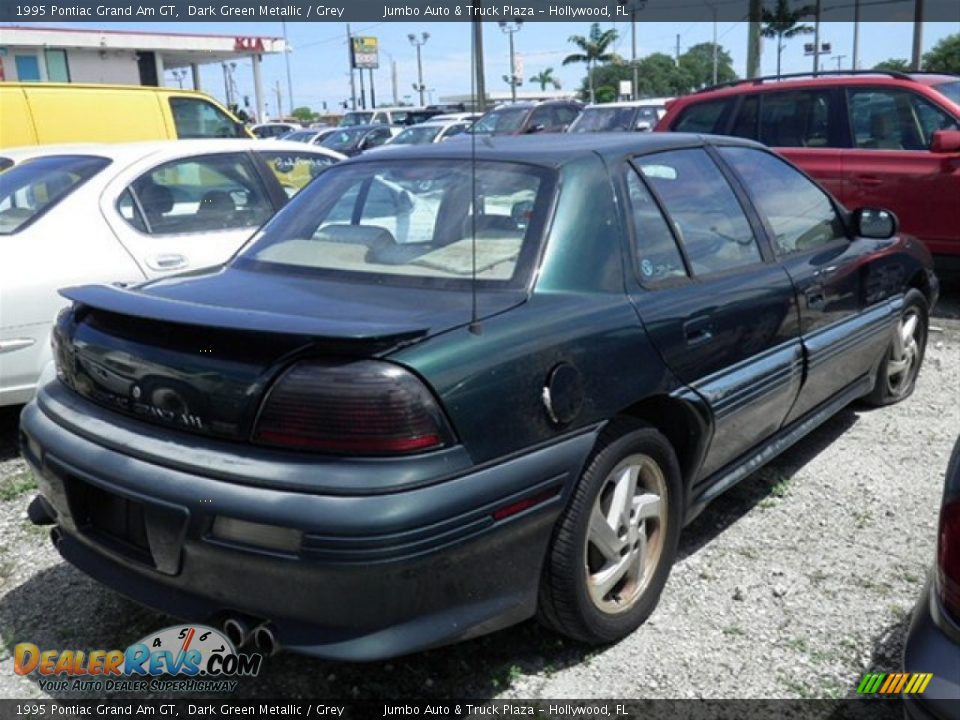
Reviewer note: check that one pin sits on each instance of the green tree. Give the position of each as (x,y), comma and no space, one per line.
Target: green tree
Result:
(784,23)
(945,55)
(698,63)
(544,78)
(593,51)
(897,64)
(303,114)
(658,76)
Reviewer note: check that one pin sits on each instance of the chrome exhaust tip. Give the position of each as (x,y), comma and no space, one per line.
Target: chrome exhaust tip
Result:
(237,631)
(265,640)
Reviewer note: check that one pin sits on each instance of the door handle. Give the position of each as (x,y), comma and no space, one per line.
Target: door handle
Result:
(815,297)
(167,261)
(698,331)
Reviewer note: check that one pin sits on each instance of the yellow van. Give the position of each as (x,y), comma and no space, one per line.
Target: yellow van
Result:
(45,113)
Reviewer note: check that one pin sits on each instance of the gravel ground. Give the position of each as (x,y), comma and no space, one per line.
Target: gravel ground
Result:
(792,585)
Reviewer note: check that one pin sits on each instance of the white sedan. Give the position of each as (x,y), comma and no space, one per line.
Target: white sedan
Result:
(77,214)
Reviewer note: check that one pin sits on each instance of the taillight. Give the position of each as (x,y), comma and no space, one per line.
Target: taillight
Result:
(359,407)
(948,558)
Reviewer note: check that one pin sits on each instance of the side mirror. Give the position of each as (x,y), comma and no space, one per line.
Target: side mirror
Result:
(643,126)
(875,223)
(945,141)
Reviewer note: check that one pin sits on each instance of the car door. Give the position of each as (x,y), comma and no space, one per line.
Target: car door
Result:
(722,315)
(890,164)
(189,212)
(844,331)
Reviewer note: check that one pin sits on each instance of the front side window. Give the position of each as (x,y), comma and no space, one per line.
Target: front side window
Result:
(893,119)
(195,118)
(705,211)
(412,222)
(294,170)
(345,139)
(795,119)
(704,117)
(34,187)
(800,213)
(655,248)
(195,195)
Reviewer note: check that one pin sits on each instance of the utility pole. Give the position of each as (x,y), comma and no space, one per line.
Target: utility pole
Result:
(353,84)
(418,43)
(373,93)
(510,28)
(753,40)
(856,34)
(678,48)
(716,50)
(481,99)
(816,40)
(838,58)
(279,102)
(393,81)
(363,92)
(286,57)
(917,35)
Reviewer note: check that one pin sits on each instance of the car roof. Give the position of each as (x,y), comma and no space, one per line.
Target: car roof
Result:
(651,102)
(768,84)
(554,149)
(170,148)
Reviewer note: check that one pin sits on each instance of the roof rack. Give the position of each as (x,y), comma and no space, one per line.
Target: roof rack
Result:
(792,76)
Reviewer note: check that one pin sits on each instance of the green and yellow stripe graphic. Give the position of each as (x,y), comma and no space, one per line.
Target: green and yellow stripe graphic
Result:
(894,683)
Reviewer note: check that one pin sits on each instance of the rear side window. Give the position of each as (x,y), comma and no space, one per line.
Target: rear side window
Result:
(704,117)
(34,187)
(197,194)
(195,118)
(747,122)
(655,248)
(795,119)
(800,213)
(705,211)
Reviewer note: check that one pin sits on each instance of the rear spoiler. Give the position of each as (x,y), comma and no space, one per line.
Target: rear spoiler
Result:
(135,303)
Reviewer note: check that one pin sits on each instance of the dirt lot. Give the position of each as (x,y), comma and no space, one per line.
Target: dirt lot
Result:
(792,585)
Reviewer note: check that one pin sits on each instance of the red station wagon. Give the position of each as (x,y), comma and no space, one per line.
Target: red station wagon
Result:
(874,138)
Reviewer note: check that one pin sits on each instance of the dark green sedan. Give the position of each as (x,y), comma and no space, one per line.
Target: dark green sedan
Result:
(449,388)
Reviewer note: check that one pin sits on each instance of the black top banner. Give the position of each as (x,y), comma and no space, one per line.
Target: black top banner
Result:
(459,10)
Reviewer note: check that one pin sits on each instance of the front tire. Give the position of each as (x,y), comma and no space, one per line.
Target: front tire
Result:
(615,543)
(897,375)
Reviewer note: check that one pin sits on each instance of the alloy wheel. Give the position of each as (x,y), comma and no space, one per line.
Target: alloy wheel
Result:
(904,354)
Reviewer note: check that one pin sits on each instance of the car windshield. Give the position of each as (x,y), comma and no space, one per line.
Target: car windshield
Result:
(417,135)
(604,119)
(950,89)
(344,139)
(498,122)
(33,187)
(412,222)
(356,118)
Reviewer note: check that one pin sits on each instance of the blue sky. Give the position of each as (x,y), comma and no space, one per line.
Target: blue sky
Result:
(319,58)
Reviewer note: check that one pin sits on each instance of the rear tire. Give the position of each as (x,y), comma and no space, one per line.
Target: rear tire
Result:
(897,375)
(615,543)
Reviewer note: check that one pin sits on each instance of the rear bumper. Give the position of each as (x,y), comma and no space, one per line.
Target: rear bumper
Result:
(931,647)
(369,576)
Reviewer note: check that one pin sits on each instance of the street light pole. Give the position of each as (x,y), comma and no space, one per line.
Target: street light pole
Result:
(510,28)
(418,43)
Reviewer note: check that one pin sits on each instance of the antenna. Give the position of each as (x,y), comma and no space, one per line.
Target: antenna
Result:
(475,327)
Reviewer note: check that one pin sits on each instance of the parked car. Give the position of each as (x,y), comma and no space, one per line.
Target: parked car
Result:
(872,138)
(272,130)
(358,138)
(933,640)
(428,132)
(401,115)
(99,213)
(48,113)
(527,117)
(639,115)
(449,388)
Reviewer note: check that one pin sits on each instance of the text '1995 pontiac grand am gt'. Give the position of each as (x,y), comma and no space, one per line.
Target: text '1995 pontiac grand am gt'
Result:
(456,386)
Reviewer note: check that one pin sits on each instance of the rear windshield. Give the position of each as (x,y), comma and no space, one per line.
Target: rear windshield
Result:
(498,122)
(412,223)
(356,118)
(33,187)
(612,119)
(950,89)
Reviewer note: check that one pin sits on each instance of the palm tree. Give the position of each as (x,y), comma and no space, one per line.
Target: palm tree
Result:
(784,23)
(544,78)
(594,50)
